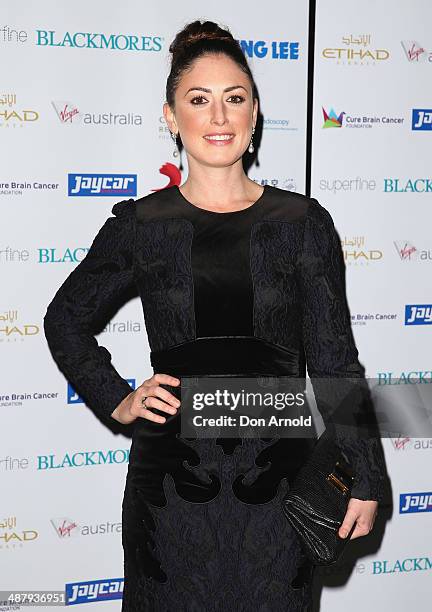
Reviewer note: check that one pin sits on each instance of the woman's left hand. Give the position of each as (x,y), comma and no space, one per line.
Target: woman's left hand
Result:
(362,511)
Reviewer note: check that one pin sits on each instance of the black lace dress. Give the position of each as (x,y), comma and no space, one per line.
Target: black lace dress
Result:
(249,292)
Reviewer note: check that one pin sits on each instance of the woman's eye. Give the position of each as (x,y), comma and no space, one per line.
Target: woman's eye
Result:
(197,98)
(240,98)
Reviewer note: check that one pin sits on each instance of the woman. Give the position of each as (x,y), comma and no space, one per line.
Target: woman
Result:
(235,279)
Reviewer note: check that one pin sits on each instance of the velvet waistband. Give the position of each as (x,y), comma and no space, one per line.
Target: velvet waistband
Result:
(228,356)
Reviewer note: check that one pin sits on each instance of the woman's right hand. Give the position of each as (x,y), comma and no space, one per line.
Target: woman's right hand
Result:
(131,407)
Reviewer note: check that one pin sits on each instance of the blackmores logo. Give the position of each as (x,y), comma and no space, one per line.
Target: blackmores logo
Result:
(82,459)
(68,255)
(89,40)
(416,185)
(410,564)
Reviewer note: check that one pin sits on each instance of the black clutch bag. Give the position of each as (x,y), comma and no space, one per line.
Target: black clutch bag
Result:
(317,500)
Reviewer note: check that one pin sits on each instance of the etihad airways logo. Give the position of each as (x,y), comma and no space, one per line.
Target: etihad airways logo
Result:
(13,537)
(355,51)
(356,253)
(89,40)
(14,329)
(14,115)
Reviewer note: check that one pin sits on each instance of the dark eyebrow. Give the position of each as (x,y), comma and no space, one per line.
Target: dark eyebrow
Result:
(206,90)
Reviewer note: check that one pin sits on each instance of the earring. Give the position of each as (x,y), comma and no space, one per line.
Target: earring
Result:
(174,137)
(251,147)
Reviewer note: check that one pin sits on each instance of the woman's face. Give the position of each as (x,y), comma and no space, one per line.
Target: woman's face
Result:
(214,98)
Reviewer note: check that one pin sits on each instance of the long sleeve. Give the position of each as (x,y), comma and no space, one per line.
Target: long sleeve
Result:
(81,303)
(329,344)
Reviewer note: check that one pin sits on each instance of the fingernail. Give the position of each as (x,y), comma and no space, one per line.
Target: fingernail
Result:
(344,534)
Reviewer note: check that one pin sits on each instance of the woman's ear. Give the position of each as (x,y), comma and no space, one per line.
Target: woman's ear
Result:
(169,118)
(255,111)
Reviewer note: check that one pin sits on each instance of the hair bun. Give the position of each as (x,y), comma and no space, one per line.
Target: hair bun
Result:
(198,39)
(197,31)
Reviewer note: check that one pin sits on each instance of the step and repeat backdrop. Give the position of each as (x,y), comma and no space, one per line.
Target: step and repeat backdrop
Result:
(81,128)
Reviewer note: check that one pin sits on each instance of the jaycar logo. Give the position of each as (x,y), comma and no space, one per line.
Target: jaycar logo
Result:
(415,502)
(94,590)
(74,398)
(421,119)
(418,314)
(102,184)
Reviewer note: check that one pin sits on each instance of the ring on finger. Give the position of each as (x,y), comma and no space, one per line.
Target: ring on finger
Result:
(143,399)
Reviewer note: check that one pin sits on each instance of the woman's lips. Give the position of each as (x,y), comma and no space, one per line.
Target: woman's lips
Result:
(219,139)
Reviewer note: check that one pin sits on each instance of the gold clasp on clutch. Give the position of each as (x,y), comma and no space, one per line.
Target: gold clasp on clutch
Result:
(337,482)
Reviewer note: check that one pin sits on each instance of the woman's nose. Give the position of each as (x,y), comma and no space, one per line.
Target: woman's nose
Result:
(218,114)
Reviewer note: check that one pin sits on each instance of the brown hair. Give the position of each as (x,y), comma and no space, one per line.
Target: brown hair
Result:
(199,38)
